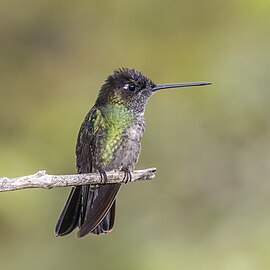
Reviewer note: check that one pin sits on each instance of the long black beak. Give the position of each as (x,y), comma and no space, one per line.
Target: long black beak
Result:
(177,85)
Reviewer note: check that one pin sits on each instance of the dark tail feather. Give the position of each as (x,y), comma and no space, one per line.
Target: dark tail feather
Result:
(70,214)
(92,210)
(100,210)
(106,225)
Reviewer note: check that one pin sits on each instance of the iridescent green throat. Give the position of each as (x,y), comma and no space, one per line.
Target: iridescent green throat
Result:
(117,118)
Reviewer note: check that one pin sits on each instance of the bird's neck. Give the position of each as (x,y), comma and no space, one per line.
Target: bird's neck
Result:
(120,115)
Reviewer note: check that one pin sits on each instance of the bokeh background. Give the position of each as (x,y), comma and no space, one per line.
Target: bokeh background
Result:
(208,207)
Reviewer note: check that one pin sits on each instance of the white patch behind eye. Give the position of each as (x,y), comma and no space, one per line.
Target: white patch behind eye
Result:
(126,86)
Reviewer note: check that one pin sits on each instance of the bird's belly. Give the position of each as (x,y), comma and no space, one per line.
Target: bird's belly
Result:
(127,154)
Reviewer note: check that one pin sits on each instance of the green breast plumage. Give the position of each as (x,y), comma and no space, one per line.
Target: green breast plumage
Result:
(116,119)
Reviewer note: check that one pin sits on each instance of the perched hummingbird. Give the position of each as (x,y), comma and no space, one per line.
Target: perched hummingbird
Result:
(109,138)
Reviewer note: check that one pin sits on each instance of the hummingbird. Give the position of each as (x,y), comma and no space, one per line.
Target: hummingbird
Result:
(109,138)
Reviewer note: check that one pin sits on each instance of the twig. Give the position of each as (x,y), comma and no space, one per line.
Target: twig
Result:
(43,180)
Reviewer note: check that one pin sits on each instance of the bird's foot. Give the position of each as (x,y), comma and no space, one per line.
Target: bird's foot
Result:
(103,176)
(127,177)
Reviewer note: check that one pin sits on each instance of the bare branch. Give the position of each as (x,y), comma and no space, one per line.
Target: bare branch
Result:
(43,180)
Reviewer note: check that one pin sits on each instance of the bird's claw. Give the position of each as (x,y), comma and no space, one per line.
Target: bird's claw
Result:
(103,176)
(127,177)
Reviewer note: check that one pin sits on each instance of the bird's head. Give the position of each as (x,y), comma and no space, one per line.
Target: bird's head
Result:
(131,88)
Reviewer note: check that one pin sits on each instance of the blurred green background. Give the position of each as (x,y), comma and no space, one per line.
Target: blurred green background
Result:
(208,207)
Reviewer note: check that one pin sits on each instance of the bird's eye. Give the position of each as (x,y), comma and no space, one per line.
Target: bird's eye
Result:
(131,87)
